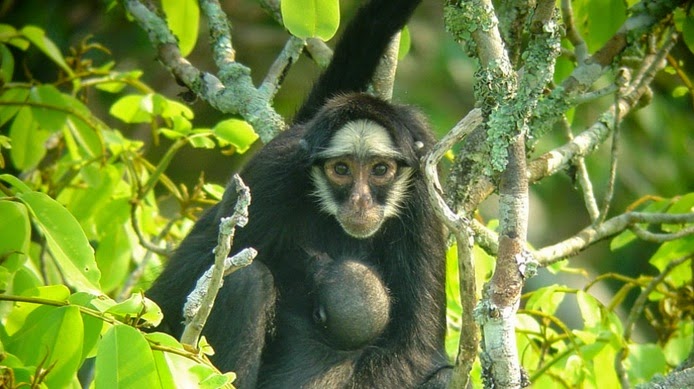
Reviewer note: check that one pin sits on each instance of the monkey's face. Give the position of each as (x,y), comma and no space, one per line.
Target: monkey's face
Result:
(361,183)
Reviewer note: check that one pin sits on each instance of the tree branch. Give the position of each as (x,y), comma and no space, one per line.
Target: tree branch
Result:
(589,235)
(200,301)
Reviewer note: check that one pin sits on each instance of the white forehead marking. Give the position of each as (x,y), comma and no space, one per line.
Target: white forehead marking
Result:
(363,139)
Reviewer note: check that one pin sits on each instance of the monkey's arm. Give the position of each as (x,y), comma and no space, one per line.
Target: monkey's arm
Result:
(358,52)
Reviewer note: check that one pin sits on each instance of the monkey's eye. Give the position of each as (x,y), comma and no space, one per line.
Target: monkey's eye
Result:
(341,169)
(379,169)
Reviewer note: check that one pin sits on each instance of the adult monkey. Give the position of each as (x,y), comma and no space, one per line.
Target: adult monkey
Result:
(339,204)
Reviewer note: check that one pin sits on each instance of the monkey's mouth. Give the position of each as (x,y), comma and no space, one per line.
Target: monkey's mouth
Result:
(361,224)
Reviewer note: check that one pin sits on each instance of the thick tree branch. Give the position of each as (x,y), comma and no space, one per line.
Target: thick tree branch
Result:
(233,92)
(459,227)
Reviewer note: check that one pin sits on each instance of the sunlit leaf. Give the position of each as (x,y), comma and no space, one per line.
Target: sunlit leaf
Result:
(237,132)
(6,65)
(50,111)
(39,39)
(183,18)
(28,140)
(311,18)
(124,360)
(54,338)
(66,241)
(15,231)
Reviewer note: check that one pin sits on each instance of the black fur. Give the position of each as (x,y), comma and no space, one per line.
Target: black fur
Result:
(262,326)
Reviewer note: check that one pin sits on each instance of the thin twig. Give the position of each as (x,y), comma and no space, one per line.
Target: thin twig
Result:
(635,313)
(201,300)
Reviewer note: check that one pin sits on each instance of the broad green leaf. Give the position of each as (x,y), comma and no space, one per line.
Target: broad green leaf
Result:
(66,241)
(92,325)
(38,37)
(6,65)
(670,251)
(680,344)
(172,109)
(113,258)
(50,114)
(24,280)
(15,182)
(124,360)
(15,231)
(605,377)
(91,143)
(644,361)
(10,35)
(132,109)
(237,132)
(183,18)
(18,315)
(28,140)
(153,314)
(546,299)
(183,371)
(17,96)
(96,189)
(597,31)
(311,18)
(54,339)
(590,309)
(133,306)
(621,240)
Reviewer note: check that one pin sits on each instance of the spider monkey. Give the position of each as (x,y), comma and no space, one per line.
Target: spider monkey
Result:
(347,290)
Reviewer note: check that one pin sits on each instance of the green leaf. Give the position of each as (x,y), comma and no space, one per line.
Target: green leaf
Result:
(237,132)
(183,18)
(644,361)
(621,240)
(680,91)
(669,251)
(66,241)
(16,234)
(311,18)
(113,258)
(680,344)
(17,96)
(132,109)
(28,140)
(10,35)
(546,299)
(590,309)
(92,325)
(119,81)
(15,182)
(6,65)
(49,115)
(124,360)
(53,339)
(173,109)
(405,43)
(597,31)
(185,373)
(133,306)
(203,141)
(688,31)
(38,37)
(18,316)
